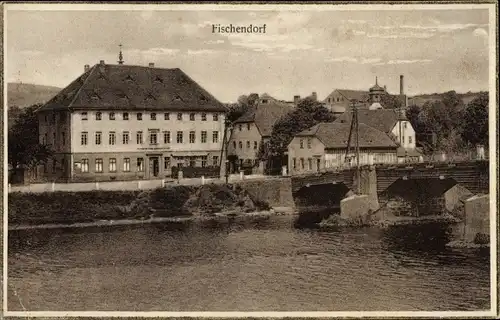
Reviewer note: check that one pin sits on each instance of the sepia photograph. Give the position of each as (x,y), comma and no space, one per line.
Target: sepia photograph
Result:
(250,160)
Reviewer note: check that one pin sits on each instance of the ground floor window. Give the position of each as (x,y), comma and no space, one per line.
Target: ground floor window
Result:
(112,165)
(167,163)
(192,162)
(98,165)
(310,163)
(203,161)
(126,165)
(216,161)
(85,165)
(140,164)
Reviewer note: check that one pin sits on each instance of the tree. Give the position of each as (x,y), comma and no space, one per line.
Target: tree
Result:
(244,104)
(390,101)
(475,121)
(24,149)
(307,114)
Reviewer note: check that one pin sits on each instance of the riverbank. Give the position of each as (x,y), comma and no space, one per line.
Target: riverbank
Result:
(132,207)
(221,216)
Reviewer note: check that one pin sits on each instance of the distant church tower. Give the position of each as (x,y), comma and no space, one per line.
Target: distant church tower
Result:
(376,93)
(120,55)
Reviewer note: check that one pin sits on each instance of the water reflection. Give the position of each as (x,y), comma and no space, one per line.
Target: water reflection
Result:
(250,265)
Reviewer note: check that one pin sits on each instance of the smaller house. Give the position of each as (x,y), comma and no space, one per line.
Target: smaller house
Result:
(250,130)
(392,122)
(325,145)
(339,100)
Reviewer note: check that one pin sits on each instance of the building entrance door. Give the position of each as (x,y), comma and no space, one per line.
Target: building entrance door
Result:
(154,166)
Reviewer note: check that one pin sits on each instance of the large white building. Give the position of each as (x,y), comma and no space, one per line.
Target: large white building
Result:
(119,122)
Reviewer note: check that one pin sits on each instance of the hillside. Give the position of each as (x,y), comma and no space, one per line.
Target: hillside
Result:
(419,100)
(24,94)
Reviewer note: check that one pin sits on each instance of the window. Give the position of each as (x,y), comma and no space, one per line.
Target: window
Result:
(255,145)
(179,116)
(85,165)
(239,127)
(153,116)
(403,139)
(203,117)
(54,166)
(111,116)
(294,163)
(248,126)
(310,163)
(410,140)
(125,116)
(216,117)
(215,137)
(248,144)
(140,164)
(240,144)
(215,161)
(405,125)
(63,138)
(167,163)
(153,137)
(112,165)
(98,165)
(302,163)
(125,137)
(179,136)
(126,165)
(192,162)
(166,136)
(191,116)
(309,143)
(192,136)
(112,138)
(98,116)
(203,161)
(203,137)
(139,137)
(166,116)
(98,138)
(84,116)
(84,138)
(139,116)
(234,144)
(301,144)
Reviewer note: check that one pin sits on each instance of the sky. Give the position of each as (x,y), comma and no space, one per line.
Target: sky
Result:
(301,51)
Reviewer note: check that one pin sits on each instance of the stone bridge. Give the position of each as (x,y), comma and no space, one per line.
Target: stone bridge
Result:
(473,175)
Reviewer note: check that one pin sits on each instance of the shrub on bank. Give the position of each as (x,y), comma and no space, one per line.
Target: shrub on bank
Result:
(71,207)
(63,207)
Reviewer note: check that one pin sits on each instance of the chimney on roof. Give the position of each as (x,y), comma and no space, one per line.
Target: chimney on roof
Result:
(401,84)
(101,62)
(314,95)
(296,99)
(151,65)
(86,68)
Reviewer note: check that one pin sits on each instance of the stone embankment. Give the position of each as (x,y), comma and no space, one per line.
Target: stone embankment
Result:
(157,205)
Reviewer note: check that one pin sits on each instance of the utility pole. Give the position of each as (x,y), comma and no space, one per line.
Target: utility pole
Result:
(358,173)
(224,170)
(354,127)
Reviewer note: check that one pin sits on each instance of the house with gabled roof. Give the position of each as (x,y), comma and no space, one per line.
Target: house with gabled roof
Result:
(394,124)
(121,122)
(339,100)
(253,128)
(325,146)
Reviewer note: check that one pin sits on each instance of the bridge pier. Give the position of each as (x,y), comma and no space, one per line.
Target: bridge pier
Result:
(359,207)
(477,220)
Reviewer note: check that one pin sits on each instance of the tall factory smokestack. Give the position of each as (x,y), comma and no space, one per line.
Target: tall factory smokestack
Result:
(401,85)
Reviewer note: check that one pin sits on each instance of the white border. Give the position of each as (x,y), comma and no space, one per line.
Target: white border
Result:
(255,7)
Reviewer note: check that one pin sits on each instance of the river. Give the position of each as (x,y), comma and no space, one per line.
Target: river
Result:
(266,265)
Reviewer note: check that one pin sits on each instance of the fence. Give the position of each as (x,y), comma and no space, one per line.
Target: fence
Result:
(126,185)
